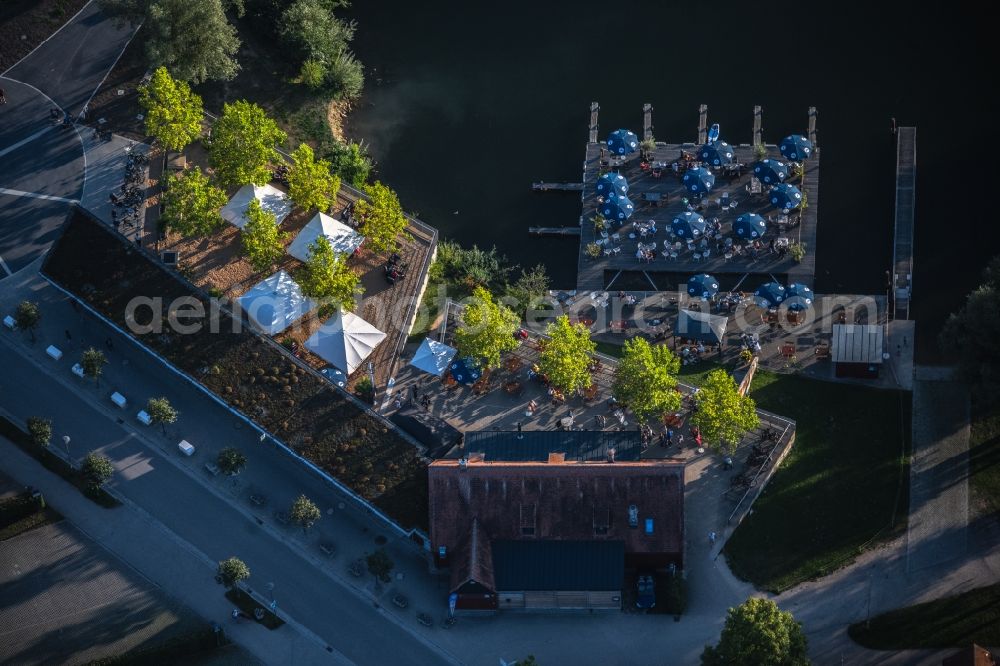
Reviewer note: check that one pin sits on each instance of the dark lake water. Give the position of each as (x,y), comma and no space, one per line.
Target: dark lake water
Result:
(467,103)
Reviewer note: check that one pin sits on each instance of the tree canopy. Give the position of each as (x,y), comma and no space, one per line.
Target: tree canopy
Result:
(233,570)
(530,288)
(40,431)
(311,185)
(161,411)
(304,512)
(92,362)
(262,240)
(723,415)
(320,42)
(191,204)
(487,329)
(566,355)
(327,276)
(27,316)
(231,460)
(382,217)
(97,469)
(758,633)
(244,141)
(646,379)
(350,162)
(193,39)
(173,112)
(380,565)
(971,334)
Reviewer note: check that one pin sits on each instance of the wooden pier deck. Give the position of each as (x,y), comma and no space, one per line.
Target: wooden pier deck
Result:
(758,125)
(647,121)
(902,255)
(594,108)
(565,187)
(663,273)
(554,231)
(702,124)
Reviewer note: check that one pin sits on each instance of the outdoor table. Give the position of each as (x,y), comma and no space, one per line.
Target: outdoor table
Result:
(9,322)
(144,417)
(54,352)
(185,447)
(77,370)
(118,399)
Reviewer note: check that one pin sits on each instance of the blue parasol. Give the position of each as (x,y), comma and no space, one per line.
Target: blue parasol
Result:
(785,196)
(688,225)
(749,226)
(798,296)
(769,295)
(716,153)
(796,147)
(770,171)
(703,286)
(465,370)
(617,208)
(623,142)
(698,180)
(612,184)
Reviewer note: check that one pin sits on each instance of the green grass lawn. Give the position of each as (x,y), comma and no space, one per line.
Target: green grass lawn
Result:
(842,488)
(984,460)
(970,617)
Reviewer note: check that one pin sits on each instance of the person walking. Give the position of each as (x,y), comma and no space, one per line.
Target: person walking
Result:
(711,538)
(69,336)
(3,96)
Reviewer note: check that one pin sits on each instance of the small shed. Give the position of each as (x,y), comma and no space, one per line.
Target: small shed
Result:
(857,350)
(272,200)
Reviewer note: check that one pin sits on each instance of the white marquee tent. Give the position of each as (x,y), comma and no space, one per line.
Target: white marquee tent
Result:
(344,239)
(433,357)
(344,341)
(271,200)
(275,303)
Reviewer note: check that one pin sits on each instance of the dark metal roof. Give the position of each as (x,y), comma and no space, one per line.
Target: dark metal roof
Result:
(536,445)
(558,565)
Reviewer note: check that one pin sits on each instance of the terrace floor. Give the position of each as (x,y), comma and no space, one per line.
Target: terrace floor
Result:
(661,273)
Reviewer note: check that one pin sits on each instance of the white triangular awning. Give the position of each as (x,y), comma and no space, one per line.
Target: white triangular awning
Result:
(271,200)
(275,303)
(433,357)
(343,238)
(344,341)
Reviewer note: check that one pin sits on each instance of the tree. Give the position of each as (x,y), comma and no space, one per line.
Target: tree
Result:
(96,469)
(191,204)
(93,361)
(193,39)
(380,565)
(310,183)
(304,512)
(326,276)
(566,355)
(27,316)
(723,415)
(350,162)
(757,633)
(382,217)
(231,461)
(161,411)
(40,431)
(173,112)
(646,379)
(321,40)
(971,334)
(232,571)
(243,145)
(263,242)
(530,288)
(487,329)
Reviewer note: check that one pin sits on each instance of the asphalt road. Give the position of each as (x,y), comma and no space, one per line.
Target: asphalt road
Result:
(209,523)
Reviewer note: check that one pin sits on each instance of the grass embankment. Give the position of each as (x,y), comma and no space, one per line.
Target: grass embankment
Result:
(54,463)
(984,460)
(22,513)
(970,617)
(843,487)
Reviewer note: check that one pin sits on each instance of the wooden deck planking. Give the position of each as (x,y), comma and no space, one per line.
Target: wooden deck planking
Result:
(594,108)
(647,121)
(902,255)
(702,123)
(758,124)
(565,187)
(591,273)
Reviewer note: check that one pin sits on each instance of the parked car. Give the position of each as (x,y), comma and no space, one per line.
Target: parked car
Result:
(645,592)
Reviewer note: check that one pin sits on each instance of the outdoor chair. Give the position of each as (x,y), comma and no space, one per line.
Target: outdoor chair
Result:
(616,250)
(697,256)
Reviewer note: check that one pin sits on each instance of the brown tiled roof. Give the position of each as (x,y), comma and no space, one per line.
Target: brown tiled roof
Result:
(973,655)
(562,501)
(473,560)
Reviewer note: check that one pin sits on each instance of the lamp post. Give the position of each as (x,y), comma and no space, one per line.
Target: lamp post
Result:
(66,441)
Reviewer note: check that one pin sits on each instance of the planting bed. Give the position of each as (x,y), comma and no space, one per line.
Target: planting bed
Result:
(248,373)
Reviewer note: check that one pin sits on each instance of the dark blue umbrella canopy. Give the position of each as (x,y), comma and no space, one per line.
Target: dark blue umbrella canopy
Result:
(617,208)
(688,225)
(716,153)
(769,295)
(623,142)
(612,184)
(798,296)
(796,147)
(749,226)
(465,370)
(770,171)
(698,180)
(702,285)
(785,196)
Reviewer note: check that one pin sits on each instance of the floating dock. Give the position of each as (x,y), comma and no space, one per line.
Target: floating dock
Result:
(554,231)
(564,187)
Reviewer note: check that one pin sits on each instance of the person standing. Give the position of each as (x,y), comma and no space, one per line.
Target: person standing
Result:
(3,96)
(711,538)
